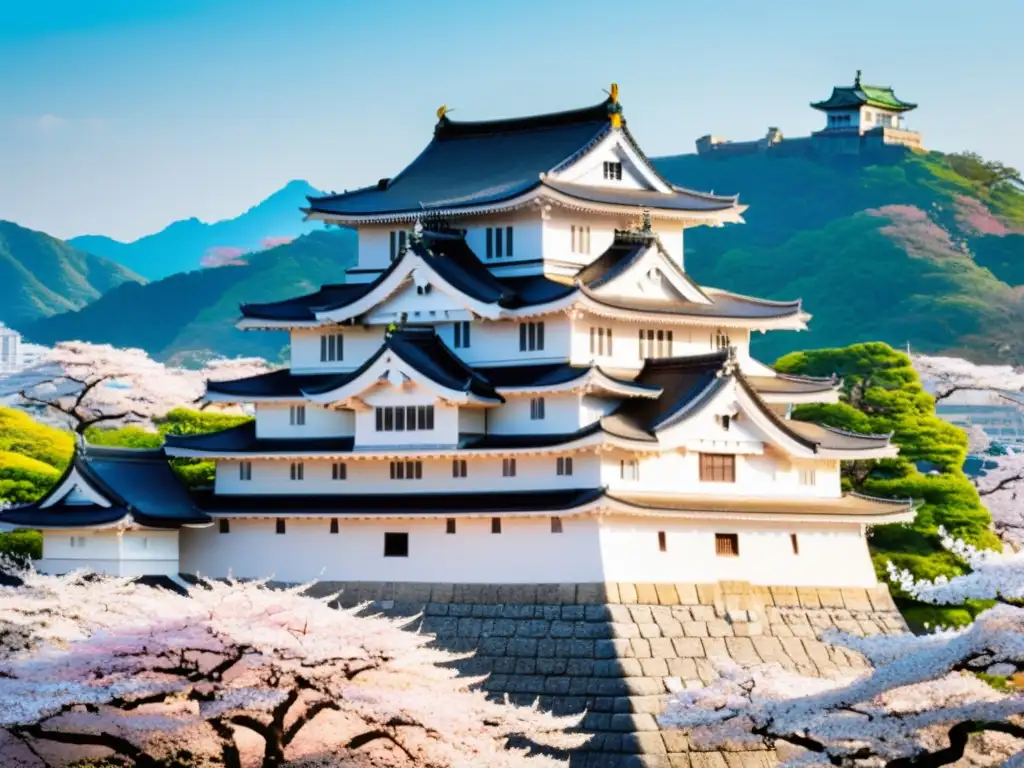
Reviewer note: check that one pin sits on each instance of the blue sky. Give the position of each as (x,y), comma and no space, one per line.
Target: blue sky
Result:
(118,117)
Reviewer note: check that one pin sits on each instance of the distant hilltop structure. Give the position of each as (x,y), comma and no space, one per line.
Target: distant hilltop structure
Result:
(859,119)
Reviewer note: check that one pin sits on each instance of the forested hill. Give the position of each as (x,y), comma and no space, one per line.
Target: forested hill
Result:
(191,316)
(42,276)
(927,250)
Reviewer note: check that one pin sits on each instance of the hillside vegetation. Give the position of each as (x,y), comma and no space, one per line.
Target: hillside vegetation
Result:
(41,276)
(189,317)
(927,250)
(188,244)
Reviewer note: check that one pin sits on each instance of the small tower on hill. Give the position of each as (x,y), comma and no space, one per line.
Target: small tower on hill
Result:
(870,111)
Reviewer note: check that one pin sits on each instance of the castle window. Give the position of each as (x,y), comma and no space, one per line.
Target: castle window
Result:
(794,543)
(458,467)
(727,544)
(654,343)
(726,421)
(245,470)
(495,247)
(461,335)
(556,525)
(717,468)
(629,469)
(580,238)
(720,340)
(78,541)
(563,465)
(612,171)
(334,525)
(408,418)
(297,415)
(508,467)
(224,526)
(536,408)
(339,471)
(279,526)
(406,470)
(396,545)
(531,336)
(495,525)
(332,347)
(497,243)
(298,470)
(600,341)
(490,243)
(449,525)
(508,241)
(662,542)
(397,243)
(808,477)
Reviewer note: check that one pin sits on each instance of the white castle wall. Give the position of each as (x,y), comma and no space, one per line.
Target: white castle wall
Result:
(274,420)
(131,553)
(374,476)
(687,341)
(526,551)
(360,344)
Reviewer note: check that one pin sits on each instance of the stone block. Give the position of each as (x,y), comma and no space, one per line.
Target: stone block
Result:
(436,609)
(441,626)
(768,648)
(661,648)
(489,611)
(412,592)
(641,648)
(672,629)
(741,649)
(469,627)
(705,670)
(667,594)
(641,614)
(817,651)
(556,685)
(808,597)
(624,630)
(526,667)
(736,615)
(517,611)
(597,613)
(703,612)
(706,594)
(522,594)
(521,646)
(552,667)
(561,629)
(618,668)
(678,759)
(720,628)
(715,648)
(795,649)
(685,669)
(869,628)
(575,668)
(619,614)
(610,649)
(803,630)
(688,646)
(591,594)
(649,630)
(654,667)
(785,597)
(504,665)
(460,609)
(830,598)
(695,629)
(881,599)
(748,629)
(687,594)
(681,613)
(503,628)
(646,594)
(533,628)
(545,648)
(640,721)
(627,594)
(647,743)
(780,630)
(707,760)
(849,626)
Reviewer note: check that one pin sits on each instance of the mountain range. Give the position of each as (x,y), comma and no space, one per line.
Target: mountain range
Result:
(42,276)
(190,244)
(927,249)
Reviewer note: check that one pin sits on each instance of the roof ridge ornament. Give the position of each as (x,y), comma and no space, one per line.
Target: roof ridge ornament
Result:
(614,108)
(732,364)
(856,81)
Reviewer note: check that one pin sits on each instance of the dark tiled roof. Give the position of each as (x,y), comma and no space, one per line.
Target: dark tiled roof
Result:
(849,504)
(677,200)
(455,261)
(280,383)
(496,442)
(837,439)
(786,384)
(857,95)
(305,307)
(243,439)
(476,163)
(405,503)
(139,483)
(423,350)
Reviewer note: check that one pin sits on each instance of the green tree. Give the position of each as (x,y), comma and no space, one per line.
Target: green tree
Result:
(882,394)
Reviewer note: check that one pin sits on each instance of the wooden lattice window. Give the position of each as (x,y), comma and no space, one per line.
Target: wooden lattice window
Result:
(717,468)
(727,544)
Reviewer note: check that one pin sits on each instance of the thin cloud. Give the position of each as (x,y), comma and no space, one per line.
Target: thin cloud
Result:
(48,122)
(223,256)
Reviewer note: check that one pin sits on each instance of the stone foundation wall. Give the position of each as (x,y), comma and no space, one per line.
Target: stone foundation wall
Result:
(612,649)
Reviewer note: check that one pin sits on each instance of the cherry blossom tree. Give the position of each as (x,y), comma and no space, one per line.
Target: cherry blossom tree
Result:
(921,703)
(242,674)
(97,384)
(947,375)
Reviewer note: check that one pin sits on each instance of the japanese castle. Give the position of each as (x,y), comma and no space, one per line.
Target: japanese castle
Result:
(517,382)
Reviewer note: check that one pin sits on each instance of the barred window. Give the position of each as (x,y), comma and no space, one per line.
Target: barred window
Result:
(449,525)
(334,525)
(531,336)
(461,333)
(717,468)
(495,525)
(225,526)
(339,471)
(297,415)
(613,171)
(406,470)
(508,467)
(404,418)
(332,347)
(396,545)
(245,470)
(280,525)
(459,467)
(563,465)
(536,408)
(298,470)
(727,544)
(556,525)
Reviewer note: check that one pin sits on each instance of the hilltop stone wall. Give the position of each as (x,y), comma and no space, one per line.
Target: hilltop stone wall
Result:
(612,650)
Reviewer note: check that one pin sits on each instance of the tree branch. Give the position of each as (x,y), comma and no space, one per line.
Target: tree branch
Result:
(114,743)
(958,737)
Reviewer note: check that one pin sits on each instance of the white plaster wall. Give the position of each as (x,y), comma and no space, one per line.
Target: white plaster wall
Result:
(272,477)
(671,235)
(360,344)
(524,552)
(272,420)
(588,550)
(687,341)
(526,236)
(132,553)
(830,556)
(473,421)
(590,168)
(375,246)
(557,236)
(408,305)
(497,342)
(768,475)
(562,414)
